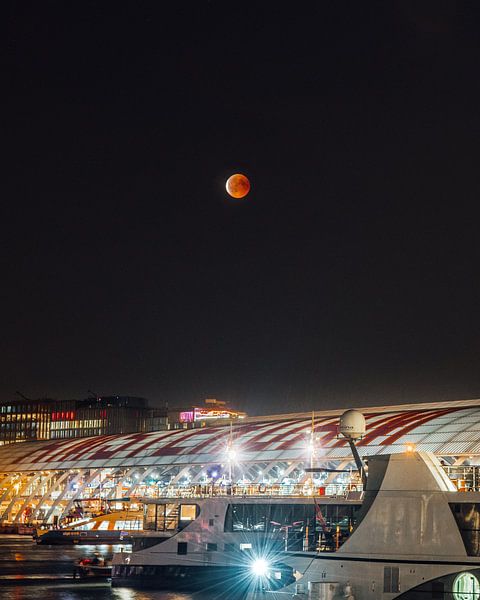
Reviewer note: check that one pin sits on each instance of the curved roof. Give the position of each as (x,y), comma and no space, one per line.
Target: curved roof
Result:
(442,428)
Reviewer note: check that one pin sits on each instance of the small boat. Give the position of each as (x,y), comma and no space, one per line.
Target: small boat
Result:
(95,567)
(113,528)
(56,537)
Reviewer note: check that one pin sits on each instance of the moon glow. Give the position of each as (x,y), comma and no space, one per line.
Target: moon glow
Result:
(238,185)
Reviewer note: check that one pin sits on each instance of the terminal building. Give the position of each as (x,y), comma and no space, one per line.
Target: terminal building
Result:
(42,481)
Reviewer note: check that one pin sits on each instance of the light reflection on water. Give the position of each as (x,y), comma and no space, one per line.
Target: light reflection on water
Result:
(22,562)
(87,592)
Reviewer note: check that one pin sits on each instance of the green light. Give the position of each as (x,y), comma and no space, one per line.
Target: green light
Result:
(466,587)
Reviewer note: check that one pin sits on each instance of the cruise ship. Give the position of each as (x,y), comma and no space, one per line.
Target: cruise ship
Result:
(410,535)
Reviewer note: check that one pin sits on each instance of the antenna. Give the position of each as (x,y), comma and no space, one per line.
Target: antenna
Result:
(230,453)
(353,427)
(312,440)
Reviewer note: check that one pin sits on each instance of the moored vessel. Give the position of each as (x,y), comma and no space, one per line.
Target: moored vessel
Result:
(412,536)
(96,567)
(112,528)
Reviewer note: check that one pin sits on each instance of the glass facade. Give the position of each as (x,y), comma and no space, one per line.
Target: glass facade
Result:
(25,421)
(45,419)
(278,517)
(169,517)
(300,526)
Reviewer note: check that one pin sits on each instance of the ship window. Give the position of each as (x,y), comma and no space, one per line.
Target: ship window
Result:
(188,512)
(247,517)
(245,547)
(211,547)
(467,517)
(166,517)
(182,548)
(466,585)
(229,547)
(331,516)
(150,519)
(391,579)
(171,516)
(128,525)
(294,517)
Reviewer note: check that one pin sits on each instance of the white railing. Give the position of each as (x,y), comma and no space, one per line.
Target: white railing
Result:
(259,490)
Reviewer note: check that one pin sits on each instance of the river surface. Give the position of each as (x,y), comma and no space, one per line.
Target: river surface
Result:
(32,572)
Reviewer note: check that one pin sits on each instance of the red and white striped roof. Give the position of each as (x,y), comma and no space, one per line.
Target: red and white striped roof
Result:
(447,429)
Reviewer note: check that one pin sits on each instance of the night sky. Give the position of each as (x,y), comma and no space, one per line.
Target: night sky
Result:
(348,276)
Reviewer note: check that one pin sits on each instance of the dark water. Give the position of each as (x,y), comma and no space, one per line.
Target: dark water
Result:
(31,572)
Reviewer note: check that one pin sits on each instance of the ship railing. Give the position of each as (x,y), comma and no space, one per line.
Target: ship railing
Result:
(261,490)
(466,478)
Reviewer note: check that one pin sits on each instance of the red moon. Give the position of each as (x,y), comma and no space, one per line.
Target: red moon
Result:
(238,185)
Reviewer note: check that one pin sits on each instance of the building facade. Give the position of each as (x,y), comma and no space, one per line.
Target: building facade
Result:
(46,419)
(211,412)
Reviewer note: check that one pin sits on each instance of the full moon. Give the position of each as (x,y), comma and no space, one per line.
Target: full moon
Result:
(238,185)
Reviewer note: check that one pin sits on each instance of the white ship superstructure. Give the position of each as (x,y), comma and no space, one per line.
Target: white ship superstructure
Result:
(413,536)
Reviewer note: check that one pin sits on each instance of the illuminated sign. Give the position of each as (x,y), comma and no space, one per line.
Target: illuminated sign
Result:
(202,414)
(466,587)
(63,416)
(186,416)
(205,414)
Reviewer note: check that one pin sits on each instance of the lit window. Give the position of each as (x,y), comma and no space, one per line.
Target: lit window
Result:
(245,547)
(188,512)
(466,587)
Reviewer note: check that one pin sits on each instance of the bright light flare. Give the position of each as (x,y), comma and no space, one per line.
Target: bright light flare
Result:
(232,454)
(260,567)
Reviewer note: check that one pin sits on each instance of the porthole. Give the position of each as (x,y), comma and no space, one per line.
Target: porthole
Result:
(466,587)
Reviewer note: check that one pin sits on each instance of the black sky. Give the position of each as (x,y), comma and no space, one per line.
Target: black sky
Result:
(348,276)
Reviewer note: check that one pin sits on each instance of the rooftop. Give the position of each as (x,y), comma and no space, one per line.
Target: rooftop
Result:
(445,428)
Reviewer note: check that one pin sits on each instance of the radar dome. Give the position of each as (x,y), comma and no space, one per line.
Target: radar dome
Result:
(352,425)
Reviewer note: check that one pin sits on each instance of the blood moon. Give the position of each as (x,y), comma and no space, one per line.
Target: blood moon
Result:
(238,185)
